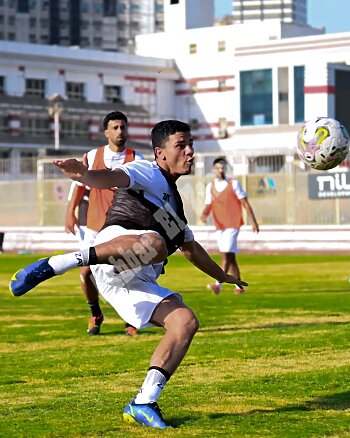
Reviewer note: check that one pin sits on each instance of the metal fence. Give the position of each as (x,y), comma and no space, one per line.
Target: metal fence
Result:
(278,198)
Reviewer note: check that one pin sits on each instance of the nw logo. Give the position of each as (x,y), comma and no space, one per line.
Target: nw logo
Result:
(166,197)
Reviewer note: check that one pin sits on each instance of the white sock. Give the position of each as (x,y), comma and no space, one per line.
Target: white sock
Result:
(151,388)
(218,284)
(64,262)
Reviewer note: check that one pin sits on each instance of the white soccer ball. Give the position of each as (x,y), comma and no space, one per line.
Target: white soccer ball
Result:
(323,143)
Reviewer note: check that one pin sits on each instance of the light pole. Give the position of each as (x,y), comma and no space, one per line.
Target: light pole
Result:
(55,110)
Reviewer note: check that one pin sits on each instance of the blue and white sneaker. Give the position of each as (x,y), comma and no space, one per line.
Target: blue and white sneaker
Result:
(27,278)
(147,414)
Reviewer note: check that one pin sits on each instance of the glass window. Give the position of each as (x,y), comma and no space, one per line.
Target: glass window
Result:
(193,49)
(2,85)
(35,126)
(98,7)
(121,7)
(75,90)
(299,97)
(74,128)
(35,87)
(221,46)
(112,93)
(84,7)
(256,97)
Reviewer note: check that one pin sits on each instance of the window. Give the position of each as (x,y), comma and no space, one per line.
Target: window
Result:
(2,85)
(74,128)
(32,38)
(299,97)
(11,36)
(11,20)
(193,49)
(98,7)
(121,7)
(97,42)
(35,126)
(256,97)
(75,90)
(32,22)
(112,93)
(84,7)
(35,87)
(221,46)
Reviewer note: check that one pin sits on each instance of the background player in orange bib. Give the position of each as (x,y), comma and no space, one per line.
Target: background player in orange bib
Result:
(224,199)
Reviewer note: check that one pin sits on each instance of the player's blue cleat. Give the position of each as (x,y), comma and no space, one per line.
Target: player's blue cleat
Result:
(147,414)
(27,278)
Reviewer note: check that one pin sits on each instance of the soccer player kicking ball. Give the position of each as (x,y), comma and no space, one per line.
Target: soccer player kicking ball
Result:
(144,225)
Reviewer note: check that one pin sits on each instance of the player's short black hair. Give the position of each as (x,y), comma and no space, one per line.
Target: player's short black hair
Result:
(162,130)
(114,115)
(220,160)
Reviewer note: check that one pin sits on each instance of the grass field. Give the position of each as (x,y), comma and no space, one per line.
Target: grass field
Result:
(274,362)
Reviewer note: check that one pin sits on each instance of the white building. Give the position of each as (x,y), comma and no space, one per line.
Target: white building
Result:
(90,83)
(246,88)
(286,11)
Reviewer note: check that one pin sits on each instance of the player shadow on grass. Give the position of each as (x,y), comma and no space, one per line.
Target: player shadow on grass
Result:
(272,326)
(121,332)
(333,402)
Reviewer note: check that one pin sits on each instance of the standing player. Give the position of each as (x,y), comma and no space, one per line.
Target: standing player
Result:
(145,224)
(115,126)
(224,198)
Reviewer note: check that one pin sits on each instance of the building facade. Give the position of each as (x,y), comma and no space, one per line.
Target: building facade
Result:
(245,89)
(286,11)
(86,84)
(99,24)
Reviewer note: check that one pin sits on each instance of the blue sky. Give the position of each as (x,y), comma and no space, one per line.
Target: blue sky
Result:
(332,14)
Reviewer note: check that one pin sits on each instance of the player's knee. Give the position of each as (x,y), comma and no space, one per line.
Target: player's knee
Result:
(189,324)
(156,245)
(160,247)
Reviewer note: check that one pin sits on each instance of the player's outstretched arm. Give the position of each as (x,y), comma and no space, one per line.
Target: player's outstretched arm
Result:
(99,179)
(198,256)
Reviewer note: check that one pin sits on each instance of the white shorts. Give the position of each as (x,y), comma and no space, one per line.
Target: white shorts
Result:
(134,294)
(86,236)
(227,240)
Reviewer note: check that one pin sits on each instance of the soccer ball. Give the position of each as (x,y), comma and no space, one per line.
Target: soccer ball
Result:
(323,143)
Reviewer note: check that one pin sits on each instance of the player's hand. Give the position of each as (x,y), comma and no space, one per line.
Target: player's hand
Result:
(203,218)
(71,224)
(72,168)
(233,280)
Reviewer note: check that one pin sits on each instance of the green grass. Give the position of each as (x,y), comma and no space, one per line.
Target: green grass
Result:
(274,362)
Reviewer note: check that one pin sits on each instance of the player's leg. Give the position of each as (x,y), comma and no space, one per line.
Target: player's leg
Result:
(180,326)
(90,293)
(125,252)
(216,287)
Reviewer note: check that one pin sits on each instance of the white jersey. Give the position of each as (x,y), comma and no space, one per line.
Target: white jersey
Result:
(220,185)
(146,176)
(111,160)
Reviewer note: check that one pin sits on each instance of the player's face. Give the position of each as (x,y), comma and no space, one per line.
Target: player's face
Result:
(176,156)
(116,133)
(220,170)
